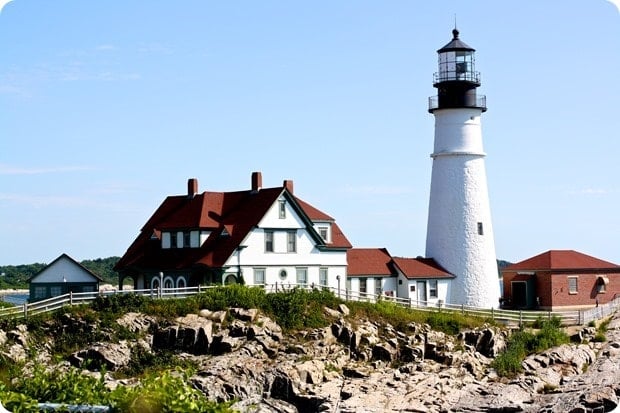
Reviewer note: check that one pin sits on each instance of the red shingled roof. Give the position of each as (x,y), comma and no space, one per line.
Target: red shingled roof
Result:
(236,212)
(369,261)
(421,268)
(561,260)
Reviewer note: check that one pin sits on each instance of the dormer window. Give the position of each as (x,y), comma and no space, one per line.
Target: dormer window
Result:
(282,209)
(173,239)
(324,232)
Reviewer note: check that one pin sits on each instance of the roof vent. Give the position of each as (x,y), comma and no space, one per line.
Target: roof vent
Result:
(192,187)
(257,181)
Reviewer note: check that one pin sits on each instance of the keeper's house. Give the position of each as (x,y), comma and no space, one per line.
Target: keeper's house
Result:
(257,236)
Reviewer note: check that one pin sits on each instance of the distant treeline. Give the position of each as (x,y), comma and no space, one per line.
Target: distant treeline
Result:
(16,276)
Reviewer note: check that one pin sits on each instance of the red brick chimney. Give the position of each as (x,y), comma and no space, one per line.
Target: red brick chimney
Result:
(288,184)
(192,187)
(257,181)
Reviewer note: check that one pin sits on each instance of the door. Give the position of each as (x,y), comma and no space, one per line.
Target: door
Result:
(519,294)
(421,291)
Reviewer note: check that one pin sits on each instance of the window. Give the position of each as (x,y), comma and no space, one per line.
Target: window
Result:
(259,276)
(572,285)
(165,240)
(39,292)
(480,229)
(173,240)
(268,241)
(302,276)
(55,291)
(291,244)
(282,209)
(432,288)
(323,232)
(378,289)
(181,282)
(362,285)
(323,277)
(186,239)
(412,288)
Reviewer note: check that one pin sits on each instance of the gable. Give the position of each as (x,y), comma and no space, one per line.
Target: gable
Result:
(64,269)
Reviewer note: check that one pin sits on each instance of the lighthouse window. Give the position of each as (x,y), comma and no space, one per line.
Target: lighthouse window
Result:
(480,229)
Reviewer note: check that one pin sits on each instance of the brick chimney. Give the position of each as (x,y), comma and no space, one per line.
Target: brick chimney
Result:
(288,184)
(192,187)
(257,181)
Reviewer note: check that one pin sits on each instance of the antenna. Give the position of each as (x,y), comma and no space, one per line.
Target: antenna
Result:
(454,21)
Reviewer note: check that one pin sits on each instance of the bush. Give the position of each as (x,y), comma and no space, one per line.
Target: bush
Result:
(523,343)
(169,391)
(221,298)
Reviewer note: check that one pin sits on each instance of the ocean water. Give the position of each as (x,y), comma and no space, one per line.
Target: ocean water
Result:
(15,299)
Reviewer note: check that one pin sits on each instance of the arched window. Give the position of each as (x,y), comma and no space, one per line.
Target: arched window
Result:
(181,282)
(168,282)
(155,283)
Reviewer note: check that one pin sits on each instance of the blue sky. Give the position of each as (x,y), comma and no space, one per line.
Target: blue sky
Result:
(107,107)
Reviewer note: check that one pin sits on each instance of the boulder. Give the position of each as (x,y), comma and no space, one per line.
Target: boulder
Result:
(385,352)
(112,356)
(344,309)
(244,314)
(311,371)
(215,316)
(137,322)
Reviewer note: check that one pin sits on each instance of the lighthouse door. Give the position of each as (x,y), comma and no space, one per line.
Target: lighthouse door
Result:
(421,290)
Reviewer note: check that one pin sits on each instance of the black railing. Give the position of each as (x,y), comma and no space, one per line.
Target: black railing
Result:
(479,102)
(453,76)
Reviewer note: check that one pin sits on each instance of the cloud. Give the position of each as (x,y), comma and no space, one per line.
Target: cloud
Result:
(378,190)
(64,202)
(106,47)
(615,3)
(591,191)
(3,3)
(17,170)
(40,201)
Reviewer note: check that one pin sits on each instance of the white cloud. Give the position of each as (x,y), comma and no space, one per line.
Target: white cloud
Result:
(106,47)
(378,190)
(591,191)
(18,170)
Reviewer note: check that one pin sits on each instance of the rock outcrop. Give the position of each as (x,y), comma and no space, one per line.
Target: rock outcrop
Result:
(359,365)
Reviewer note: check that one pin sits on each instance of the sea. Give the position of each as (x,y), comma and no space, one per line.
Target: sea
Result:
(15,298)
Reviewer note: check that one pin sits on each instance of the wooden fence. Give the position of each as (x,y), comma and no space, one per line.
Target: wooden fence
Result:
(508,317)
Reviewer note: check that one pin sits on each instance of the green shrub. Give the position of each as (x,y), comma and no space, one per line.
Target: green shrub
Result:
(221,298)
(522,343)
(169,391)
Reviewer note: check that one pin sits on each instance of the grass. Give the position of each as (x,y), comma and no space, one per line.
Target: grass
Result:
(523,343)
(401,317)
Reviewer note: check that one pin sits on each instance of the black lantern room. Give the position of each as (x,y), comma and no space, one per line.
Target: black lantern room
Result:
(457,79)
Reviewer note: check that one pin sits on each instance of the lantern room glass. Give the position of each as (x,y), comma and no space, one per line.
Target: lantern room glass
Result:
(457,65)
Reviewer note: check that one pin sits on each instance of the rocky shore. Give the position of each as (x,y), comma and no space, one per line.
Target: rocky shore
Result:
(356,365)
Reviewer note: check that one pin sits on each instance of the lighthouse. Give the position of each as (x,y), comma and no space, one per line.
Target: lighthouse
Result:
(459,232)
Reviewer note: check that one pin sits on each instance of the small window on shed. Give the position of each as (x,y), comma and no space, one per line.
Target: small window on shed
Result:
(572,285)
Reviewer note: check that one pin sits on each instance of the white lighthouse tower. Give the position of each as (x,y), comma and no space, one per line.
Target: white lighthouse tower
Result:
(459,233)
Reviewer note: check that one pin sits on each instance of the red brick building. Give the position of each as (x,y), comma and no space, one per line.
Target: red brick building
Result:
(560,279)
